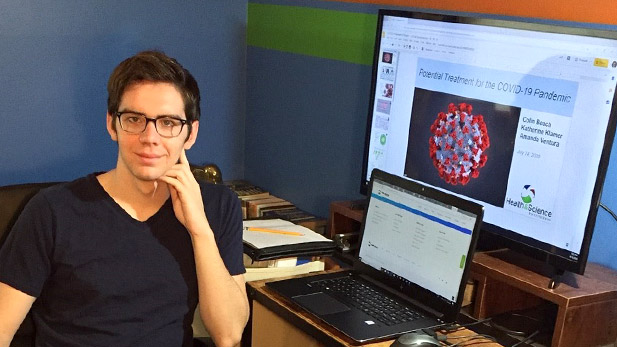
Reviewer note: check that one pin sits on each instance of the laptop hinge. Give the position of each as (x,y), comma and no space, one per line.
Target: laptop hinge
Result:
(413,302)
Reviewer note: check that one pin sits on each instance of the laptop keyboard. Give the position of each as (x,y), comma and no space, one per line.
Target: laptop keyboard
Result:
(372,302)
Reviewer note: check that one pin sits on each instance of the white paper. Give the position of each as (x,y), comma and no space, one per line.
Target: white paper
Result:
(260,239)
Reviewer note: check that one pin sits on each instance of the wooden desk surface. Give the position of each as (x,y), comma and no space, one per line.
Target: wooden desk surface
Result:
(276,320)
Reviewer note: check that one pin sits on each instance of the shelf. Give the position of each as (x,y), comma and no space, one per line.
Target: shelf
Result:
(586,305)
(345,217)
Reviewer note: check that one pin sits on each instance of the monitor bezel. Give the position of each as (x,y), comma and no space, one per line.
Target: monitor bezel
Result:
(493,236)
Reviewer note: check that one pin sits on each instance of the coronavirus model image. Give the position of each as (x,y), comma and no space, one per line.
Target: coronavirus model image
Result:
(458,144)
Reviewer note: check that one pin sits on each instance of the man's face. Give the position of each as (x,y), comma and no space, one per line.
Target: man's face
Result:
(148,155)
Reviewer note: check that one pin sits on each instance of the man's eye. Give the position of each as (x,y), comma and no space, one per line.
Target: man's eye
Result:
(134,119)
(169,122)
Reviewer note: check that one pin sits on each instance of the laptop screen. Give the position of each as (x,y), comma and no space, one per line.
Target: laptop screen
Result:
(416,239)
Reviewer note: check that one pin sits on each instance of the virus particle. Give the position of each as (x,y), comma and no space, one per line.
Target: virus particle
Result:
(458,144)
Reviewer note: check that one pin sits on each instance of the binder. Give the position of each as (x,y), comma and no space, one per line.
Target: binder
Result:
(267,239)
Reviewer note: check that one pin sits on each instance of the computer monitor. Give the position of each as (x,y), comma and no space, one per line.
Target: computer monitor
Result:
(517,116)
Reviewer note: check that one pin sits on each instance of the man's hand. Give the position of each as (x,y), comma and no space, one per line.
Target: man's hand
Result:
(185,195)
(223,301)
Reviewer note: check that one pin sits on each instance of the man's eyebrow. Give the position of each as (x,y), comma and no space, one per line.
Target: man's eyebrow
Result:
(170,116)
(128,110)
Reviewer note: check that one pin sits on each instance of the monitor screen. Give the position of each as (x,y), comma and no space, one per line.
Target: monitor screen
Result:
(432,254)
(516,116)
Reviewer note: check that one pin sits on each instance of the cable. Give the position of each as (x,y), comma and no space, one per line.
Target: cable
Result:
(456,326)
(608,210)
(473,323)
(527,338)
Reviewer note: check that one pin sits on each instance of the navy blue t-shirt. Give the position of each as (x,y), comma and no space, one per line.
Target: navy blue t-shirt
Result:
(102,278)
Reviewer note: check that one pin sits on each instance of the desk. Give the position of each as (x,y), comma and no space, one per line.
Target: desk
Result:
(587,305)
(277,323)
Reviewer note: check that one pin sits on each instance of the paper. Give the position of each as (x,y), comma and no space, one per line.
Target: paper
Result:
(254,274)
(260,239)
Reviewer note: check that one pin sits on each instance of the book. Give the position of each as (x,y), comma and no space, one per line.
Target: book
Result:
(298,216)
(293,215)
(248,200)
(254,274)
(254,206)
(246,190)
(266,239)
(281,262)
(266,209)
(260,208)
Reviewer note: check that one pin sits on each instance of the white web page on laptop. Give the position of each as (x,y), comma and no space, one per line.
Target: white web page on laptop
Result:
(419,240)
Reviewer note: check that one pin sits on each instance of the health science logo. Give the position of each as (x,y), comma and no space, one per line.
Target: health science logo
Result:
(528,195)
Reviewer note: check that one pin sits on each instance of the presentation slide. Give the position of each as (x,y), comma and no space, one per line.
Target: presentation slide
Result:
(485,148)
(496,122)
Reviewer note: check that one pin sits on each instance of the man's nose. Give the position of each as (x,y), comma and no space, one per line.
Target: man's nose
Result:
(150,132)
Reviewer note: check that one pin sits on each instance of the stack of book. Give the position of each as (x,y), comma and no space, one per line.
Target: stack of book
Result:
(283,267)
(259,203)
(284,248)
(259,207)
(246,191)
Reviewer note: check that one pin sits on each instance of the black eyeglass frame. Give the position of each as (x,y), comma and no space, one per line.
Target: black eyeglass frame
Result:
(148,119)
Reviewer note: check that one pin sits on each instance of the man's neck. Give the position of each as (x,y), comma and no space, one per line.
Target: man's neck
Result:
(140,199)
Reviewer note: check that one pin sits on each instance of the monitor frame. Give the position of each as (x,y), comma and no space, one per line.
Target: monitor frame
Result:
(493,236)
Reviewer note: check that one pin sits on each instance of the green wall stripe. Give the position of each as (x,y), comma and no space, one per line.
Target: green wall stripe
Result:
(338,35)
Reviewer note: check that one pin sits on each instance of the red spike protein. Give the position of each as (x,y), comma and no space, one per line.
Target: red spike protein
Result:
(458,144)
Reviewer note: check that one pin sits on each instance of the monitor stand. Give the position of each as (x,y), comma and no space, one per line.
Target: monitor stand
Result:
(586,305)
(554,280)
(554,275)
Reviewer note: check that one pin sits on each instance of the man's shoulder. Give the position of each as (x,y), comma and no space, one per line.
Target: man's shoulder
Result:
(55,199)
(216,191)
(79,188)
(219,200)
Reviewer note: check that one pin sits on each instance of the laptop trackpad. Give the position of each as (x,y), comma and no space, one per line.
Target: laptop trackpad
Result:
(321,303)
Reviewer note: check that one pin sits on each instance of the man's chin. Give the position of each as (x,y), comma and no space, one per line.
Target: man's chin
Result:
(148,176)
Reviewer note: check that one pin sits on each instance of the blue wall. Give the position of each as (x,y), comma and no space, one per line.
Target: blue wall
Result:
(305,128)
(55,59)
(305,117)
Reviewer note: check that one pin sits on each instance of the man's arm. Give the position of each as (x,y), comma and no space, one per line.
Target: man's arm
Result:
(14,306)
(223,302)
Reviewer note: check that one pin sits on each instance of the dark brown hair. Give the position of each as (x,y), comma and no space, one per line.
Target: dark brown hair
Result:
(153,66)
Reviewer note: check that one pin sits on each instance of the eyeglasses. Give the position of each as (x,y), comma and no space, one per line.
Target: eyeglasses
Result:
(136,123)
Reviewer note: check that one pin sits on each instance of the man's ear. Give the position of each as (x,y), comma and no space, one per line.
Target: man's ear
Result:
(111,129)
(192,136)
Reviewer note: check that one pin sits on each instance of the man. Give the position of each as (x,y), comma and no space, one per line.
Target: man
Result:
(387,57)
(121,258)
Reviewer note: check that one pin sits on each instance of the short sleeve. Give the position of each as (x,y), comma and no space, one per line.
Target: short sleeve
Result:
(25,257)
(224,214)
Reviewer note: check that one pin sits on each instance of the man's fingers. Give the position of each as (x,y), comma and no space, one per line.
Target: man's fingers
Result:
(183,158)
(173,191)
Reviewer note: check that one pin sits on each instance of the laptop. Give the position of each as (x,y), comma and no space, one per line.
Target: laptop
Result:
(416,245)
